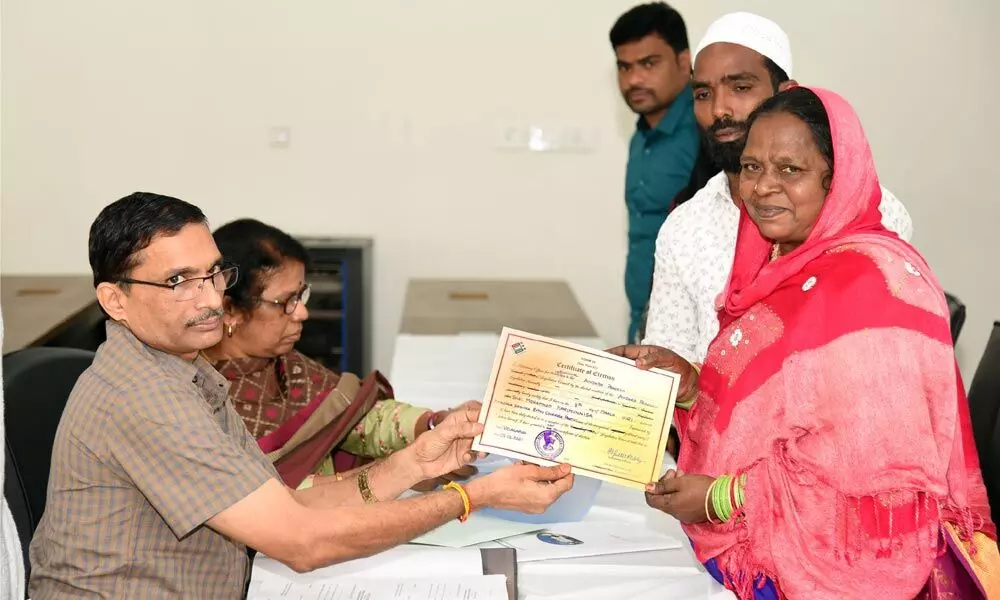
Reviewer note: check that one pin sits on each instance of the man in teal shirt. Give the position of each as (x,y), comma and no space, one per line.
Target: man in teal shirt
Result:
(654,72)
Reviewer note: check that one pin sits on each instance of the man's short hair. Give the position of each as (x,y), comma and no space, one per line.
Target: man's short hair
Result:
(778,75)
(127,226)
(655,17)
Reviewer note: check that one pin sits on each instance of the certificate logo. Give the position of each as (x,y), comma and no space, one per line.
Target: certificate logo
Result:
(549,444)
(557,539)
(518,347)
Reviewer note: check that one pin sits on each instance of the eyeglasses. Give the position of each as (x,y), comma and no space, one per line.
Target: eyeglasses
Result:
(292,301)
(191,287)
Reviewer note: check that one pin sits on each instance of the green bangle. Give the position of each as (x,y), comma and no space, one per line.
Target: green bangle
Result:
(720,499)
(727,497)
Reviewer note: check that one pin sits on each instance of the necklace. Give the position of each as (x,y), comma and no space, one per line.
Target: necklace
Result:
(775,252)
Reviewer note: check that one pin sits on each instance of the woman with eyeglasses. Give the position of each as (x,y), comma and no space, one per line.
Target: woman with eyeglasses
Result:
(306,418)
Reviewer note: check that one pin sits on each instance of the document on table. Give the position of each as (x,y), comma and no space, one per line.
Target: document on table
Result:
(483,587)
(478,529)
(587,538)
(550,401)
(401,561)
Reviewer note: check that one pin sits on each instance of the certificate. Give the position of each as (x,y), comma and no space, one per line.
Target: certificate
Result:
(551,402)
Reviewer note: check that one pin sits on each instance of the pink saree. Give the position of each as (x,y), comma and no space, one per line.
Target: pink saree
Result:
(833,385)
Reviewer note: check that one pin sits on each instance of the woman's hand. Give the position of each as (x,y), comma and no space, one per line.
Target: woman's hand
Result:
(656,357)
(432,419)
(448,446)
(681,496)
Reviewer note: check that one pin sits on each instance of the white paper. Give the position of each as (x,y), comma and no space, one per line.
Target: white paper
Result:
(436,395)
(570,540)
(685,587)
(401,562)
(483,587)
(478,529)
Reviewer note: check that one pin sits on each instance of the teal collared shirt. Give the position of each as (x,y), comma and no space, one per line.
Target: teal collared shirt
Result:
(660,160)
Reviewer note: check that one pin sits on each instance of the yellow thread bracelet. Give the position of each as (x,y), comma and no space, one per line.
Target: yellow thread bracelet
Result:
(465,499)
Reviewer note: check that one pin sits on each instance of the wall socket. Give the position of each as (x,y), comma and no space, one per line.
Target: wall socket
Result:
(565,139)
(279,137)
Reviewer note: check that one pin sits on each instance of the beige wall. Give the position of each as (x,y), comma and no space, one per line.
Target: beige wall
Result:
(394,107)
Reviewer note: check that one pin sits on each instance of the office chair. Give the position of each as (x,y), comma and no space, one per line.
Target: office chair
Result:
(956,311)
(36,385)
(984,409)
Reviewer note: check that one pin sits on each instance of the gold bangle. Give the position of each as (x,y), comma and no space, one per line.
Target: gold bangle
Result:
(693,393)
(466,503)
(365,488)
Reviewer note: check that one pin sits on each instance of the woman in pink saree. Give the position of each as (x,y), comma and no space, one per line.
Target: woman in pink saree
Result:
(827,448)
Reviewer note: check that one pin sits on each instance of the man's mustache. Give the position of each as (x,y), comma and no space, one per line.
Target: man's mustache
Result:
(726,123)
(205,316)
(633,90)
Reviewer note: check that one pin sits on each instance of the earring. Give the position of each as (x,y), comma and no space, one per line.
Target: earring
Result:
(229,330)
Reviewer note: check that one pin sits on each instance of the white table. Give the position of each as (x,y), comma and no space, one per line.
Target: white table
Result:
(438,371)
(674,574)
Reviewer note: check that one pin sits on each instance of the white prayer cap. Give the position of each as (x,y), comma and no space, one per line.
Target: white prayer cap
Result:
(751,31)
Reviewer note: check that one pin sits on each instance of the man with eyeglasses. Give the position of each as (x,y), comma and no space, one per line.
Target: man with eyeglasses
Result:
(157,488)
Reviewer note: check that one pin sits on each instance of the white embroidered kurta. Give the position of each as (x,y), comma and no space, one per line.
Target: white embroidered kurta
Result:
(11,569)
(694,254)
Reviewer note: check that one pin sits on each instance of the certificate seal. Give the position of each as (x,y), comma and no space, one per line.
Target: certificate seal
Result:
(557,539)
(549,443)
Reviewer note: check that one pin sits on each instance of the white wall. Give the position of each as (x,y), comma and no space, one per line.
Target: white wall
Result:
(393,107)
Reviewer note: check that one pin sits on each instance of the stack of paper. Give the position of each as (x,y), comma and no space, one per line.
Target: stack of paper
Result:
(396,574)
(402,562)
(697,586)
(488,587)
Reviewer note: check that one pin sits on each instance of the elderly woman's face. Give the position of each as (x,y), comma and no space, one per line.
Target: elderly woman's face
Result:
(268,331)
(782,178)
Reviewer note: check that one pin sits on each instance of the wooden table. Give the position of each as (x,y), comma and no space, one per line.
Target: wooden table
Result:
(451,307)
(49,310)
(444,351)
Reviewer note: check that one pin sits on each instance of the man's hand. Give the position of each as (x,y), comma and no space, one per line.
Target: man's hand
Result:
(448,446)
(521,487)
(650,357)
(681,496)
(459,474)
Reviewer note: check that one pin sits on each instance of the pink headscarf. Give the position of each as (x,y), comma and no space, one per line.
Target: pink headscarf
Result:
(849,214)
(842,403)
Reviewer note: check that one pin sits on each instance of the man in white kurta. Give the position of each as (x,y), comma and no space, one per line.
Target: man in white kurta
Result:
(744,56)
